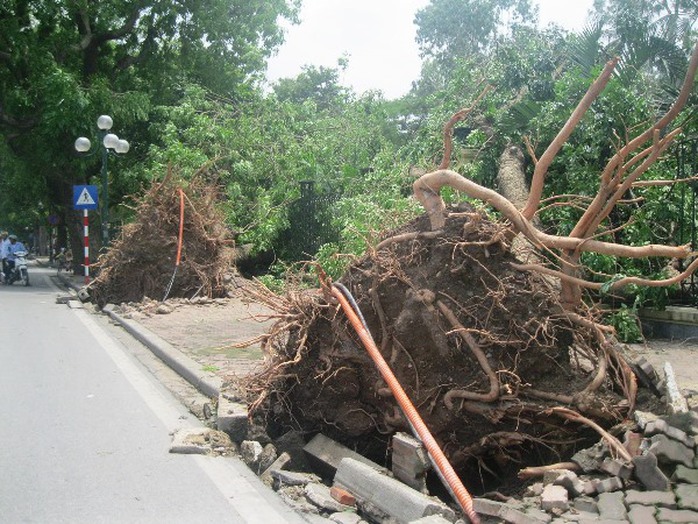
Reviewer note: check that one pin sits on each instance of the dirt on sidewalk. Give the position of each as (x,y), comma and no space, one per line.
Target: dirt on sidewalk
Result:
(207,331)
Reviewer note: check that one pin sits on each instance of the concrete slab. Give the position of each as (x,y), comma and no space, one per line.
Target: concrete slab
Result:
(391,496)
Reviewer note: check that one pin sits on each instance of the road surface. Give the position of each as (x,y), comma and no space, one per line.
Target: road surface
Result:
(86,429)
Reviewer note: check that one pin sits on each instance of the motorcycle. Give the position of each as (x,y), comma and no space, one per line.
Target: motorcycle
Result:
(19,272)
(64,259)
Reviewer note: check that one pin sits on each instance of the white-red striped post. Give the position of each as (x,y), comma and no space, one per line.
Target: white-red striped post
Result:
(86,228)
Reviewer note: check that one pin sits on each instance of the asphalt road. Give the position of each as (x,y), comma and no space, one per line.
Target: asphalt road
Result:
(85,429)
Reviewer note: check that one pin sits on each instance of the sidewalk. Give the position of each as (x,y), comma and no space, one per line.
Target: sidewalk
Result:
(194,339)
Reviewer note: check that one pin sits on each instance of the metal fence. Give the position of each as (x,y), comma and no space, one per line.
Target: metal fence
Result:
(686,167)
(310,220)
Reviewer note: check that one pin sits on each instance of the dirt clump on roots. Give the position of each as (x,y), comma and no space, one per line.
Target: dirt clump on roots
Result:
(485,352)
(141,262)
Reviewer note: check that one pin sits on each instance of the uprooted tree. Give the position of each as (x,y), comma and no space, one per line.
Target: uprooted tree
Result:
(148,259)
(481,320)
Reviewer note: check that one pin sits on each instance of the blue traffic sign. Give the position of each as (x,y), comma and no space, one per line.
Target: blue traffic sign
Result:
(85,197)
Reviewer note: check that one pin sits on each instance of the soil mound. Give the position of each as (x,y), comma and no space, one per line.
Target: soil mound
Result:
(483,351)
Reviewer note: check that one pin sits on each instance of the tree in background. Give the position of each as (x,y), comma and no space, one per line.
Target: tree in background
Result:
(653,37)
(449,29)
(65,63)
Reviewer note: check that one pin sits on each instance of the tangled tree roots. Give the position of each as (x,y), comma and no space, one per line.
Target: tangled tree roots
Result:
(501,374)
(141,262)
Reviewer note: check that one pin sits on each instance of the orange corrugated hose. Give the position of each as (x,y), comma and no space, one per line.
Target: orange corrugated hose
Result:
(447,473)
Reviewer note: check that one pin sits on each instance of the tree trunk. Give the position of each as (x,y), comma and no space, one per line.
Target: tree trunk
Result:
(511,182)
(511,178)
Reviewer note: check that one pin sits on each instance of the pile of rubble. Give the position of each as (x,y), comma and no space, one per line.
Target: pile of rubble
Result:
(331,483)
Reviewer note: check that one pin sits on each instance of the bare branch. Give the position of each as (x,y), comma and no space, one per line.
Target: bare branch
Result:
(547,158)
(648,183)
(607,198)
(427,188)
(612,441)
(448,128)
(615,285)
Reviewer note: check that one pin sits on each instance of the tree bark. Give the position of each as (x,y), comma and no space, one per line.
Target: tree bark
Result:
(511,178)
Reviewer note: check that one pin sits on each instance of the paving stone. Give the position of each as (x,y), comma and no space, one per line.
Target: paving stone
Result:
(640,514)
(551,475)
(589,459)
(590,488)
(491,508)
(608,485)
(201,441)
(665,499)
(533,515)
(612,506)
(693,418)
(687,496)
(649,370)
(648,473)
(232,418)
(279,464)
(662,426)
(554,498)
(642,418)
(325,455)
(677,516)
(586,504)
(616,467)
(579,516)
(534,490)
(320,495)
(250,452)
(669,451)
(570,481)
(410,461)
(509,514)
(685,475)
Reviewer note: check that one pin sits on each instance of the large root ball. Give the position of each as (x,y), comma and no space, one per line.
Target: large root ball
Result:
(482,350)
(141,262)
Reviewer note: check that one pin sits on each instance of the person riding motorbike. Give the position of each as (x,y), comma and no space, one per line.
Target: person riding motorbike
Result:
(4,242)
(65,260)
(14,246)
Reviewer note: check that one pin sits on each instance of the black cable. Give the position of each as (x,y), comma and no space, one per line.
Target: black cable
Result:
(347,294)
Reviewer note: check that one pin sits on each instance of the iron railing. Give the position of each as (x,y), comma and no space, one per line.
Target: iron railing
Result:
(686,167)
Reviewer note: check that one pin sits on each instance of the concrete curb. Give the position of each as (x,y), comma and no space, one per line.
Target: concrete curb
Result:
(186,367)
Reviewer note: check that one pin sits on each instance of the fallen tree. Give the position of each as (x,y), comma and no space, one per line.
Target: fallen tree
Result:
(502,358)
(141,262)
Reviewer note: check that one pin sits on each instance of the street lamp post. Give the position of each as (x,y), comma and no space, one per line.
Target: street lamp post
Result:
(109,142)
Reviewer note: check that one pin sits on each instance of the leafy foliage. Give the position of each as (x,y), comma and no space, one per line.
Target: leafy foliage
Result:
(181,82)
(65,63)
